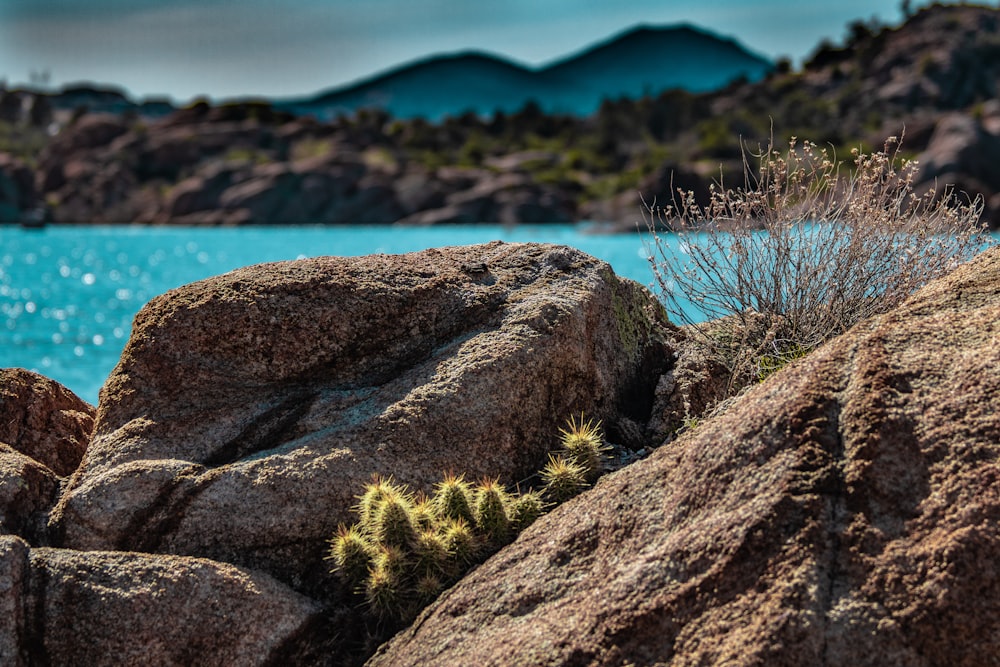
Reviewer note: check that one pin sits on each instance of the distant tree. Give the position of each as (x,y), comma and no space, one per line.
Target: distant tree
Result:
(10,107)
(527,118)
(40,113)
(498,124)
(199,107)
(857,32)
(826,54)
(418,133)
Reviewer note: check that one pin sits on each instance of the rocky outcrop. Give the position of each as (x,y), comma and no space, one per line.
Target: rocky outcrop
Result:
(44,420)
(63,607)
(66,607)
(529,167)
(249,409)
(226,165)
(844,512)
(44,431)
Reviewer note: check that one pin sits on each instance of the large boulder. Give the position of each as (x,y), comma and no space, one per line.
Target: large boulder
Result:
(960,144)
(249,409)
(44,420)
(507,198)
(44,431)
(262,195)
(963,153)
(199,193)
(844,512)
(65,607)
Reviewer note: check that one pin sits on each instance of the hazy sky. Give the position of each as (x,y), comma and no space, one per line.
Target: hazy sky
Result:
(228,48)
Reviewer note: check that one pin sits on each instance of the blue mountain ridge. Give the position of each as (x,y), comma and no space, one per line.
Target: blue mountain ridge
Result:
(642,60)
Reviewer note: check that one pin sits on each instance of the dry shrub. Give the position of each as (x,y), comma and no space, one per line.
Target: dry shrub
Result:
(766,272)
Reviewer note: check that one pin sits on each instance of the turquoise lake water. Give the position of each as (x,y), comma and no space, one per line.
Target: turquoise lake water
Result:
(68,294)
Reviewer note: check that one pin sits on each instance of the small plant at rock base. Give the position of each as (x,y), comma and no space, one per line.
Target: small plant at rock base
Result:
(461,541)
(351,553)
(583,442)
(453,498)
(491,501)
(689,424)
(784,354)
(563,478)
(525,509)
(406,548)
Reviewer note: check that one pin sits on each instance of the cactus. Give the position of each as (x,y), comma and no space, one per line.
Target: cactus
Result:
(525,508)
(491,511)
(563,478)
(431,551)
(393,524)
(453,498)
(384,592)
(427,588)
(351,553)
(386,587)
(460,541)
(390,559)
(425,515)
(405,549)
(376,493)
(583,442)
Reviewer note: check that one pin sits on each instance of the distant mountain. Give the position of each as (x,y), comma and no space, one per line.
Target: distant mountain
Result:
(650,60)
(437,86)
(644,60)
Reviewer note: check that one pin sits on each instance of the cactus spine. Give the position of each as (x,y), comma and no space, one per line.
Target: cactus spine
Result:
(351,553)
(563,478)
(453,498)
(491,511)
(583,442)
